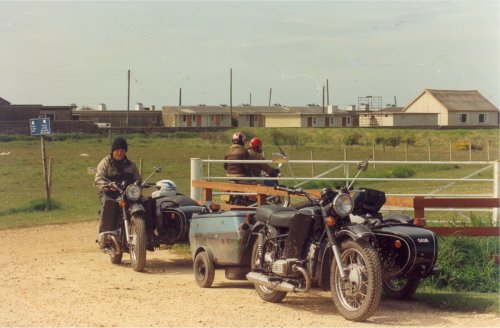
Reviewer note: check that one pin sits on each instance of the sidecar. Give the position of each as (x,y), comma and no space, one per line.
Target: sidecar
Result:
(221,240)
(169,218)
(405,250)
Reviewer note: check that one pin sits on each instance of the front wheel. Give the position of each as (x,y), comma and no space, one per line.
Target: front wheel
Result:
(401,288)
(137,245)
(358,296)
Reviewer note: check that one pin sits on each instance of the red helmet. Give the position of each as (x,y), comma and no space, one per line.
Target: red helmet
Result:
(256,143)
(239,138)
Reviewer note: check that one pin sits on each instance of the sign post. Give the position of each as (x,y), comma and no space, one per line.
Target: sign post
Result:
(41,127)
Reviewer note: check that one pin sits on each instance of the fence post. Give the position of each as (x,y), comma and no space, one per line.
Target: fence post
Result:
(470,151)
(429,148)
(312,165)
(196,169)
(450,150)
(496,188)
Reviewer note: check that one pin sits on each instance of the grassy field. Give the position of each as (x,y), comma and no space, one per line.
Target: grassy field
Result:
(21,180)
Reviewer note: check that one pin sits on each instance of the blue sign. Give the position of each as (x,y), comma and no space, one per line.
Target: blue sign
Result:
(40,126)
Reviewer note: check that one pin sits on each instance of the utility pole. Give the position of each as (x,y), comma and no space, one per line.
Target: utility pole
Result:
(180,97)
(270,93)
(327,93)
(231,95)
(250,99)
(128,97)
(323,100)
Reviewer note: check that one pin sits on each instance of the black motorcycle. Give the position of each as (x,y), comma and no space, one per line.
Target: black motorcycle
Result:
(130,237)
(318,243)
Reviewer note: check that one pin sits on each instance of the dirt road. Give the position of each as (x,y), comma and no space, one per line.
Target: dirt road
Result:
(56,276)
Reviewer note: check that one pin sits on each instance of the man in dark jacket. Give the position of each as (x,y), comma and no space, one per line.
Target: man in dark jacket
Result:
(237,151)
(115,167)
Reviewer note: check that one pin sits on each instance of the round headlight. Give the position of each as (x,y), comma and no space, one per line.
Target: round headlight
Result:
(343,204)
(133,192)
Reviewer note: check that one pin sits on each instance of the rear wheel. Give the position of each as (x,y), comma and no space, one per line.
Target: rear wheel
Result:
(204,270)
(357,297)
(401,288)
(266,293)
(137,245)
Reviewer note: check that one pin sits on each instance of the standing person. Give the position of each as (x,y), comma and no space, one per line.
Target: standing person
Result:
(255,152)
(237,151)
(115,167)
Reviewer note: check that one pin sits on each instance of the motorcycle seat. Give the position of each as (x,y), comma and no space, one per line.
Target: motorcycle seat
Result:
(277,216)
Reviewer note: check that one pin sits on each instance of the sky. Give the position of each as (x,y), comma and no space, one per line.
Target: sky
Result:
(80,52)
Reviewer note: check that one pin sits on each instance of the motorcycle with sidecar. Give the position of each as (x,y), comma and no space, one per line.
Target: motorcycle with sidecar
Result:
(147,222)
(317,243)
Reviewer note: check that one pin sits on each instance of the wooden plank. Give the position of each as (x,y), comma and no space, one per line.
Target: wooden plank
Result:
(399,201)
(456,202)
(466,231)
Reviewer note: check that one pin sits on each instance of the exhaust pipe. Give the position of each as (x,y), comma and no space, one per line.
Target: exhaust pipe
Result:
(117,245)
(283,286)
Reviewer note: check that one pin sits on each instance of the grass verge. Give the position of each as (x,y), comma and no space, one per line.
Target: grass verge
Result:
(459,301)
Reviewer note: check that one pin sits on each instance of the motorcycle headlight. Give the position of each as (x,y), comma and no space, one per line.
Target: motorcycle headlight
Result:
(343,204)
(133,192)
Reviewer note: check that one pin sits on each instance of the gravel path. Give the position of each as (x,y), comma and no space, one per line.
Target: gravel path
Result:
(56,276)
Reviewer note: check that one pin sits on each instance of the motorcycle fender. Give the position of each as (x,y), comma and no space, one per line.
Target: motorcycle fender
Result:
(323,266)
(355,232)
(209,252)
(417,253)
(136,208)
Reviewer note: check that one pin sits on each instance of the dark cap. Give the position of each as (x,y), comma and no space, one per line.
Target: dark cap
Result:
(119,143)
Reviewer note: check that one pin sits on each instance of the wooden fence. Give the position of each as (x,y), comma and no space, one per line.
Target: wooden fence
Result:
(419,204)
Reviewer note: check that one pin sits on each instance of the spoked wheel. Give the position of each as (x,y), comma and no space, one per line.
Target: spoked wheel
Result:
(403,288)
(137,245)
(266,293)
(357,297)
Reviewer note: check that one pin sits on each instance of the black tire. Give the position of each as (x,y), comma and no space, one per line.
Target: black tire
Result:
(401,288)
(204,270)
(267,294)
(357,298)
(137,246)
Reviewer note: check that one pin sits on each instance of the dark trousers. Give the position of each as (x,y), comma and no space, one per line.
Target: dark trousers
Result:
(108,218)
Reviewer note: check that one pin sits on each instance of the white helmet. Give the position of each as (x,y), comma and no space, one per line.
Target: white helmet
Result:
(165,188)
(166,185)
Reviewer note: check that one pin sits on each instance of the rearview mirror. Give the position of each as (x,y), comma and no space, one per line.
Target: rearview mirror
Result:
(362,166)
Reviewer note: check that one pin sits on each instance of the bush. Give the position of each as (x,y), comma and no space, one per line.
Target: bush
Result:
(379,140)
(467,264)
(400,172)
(351,140)
(464,145)
(393,141)
(281,138)
(185,134)
(410,140)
